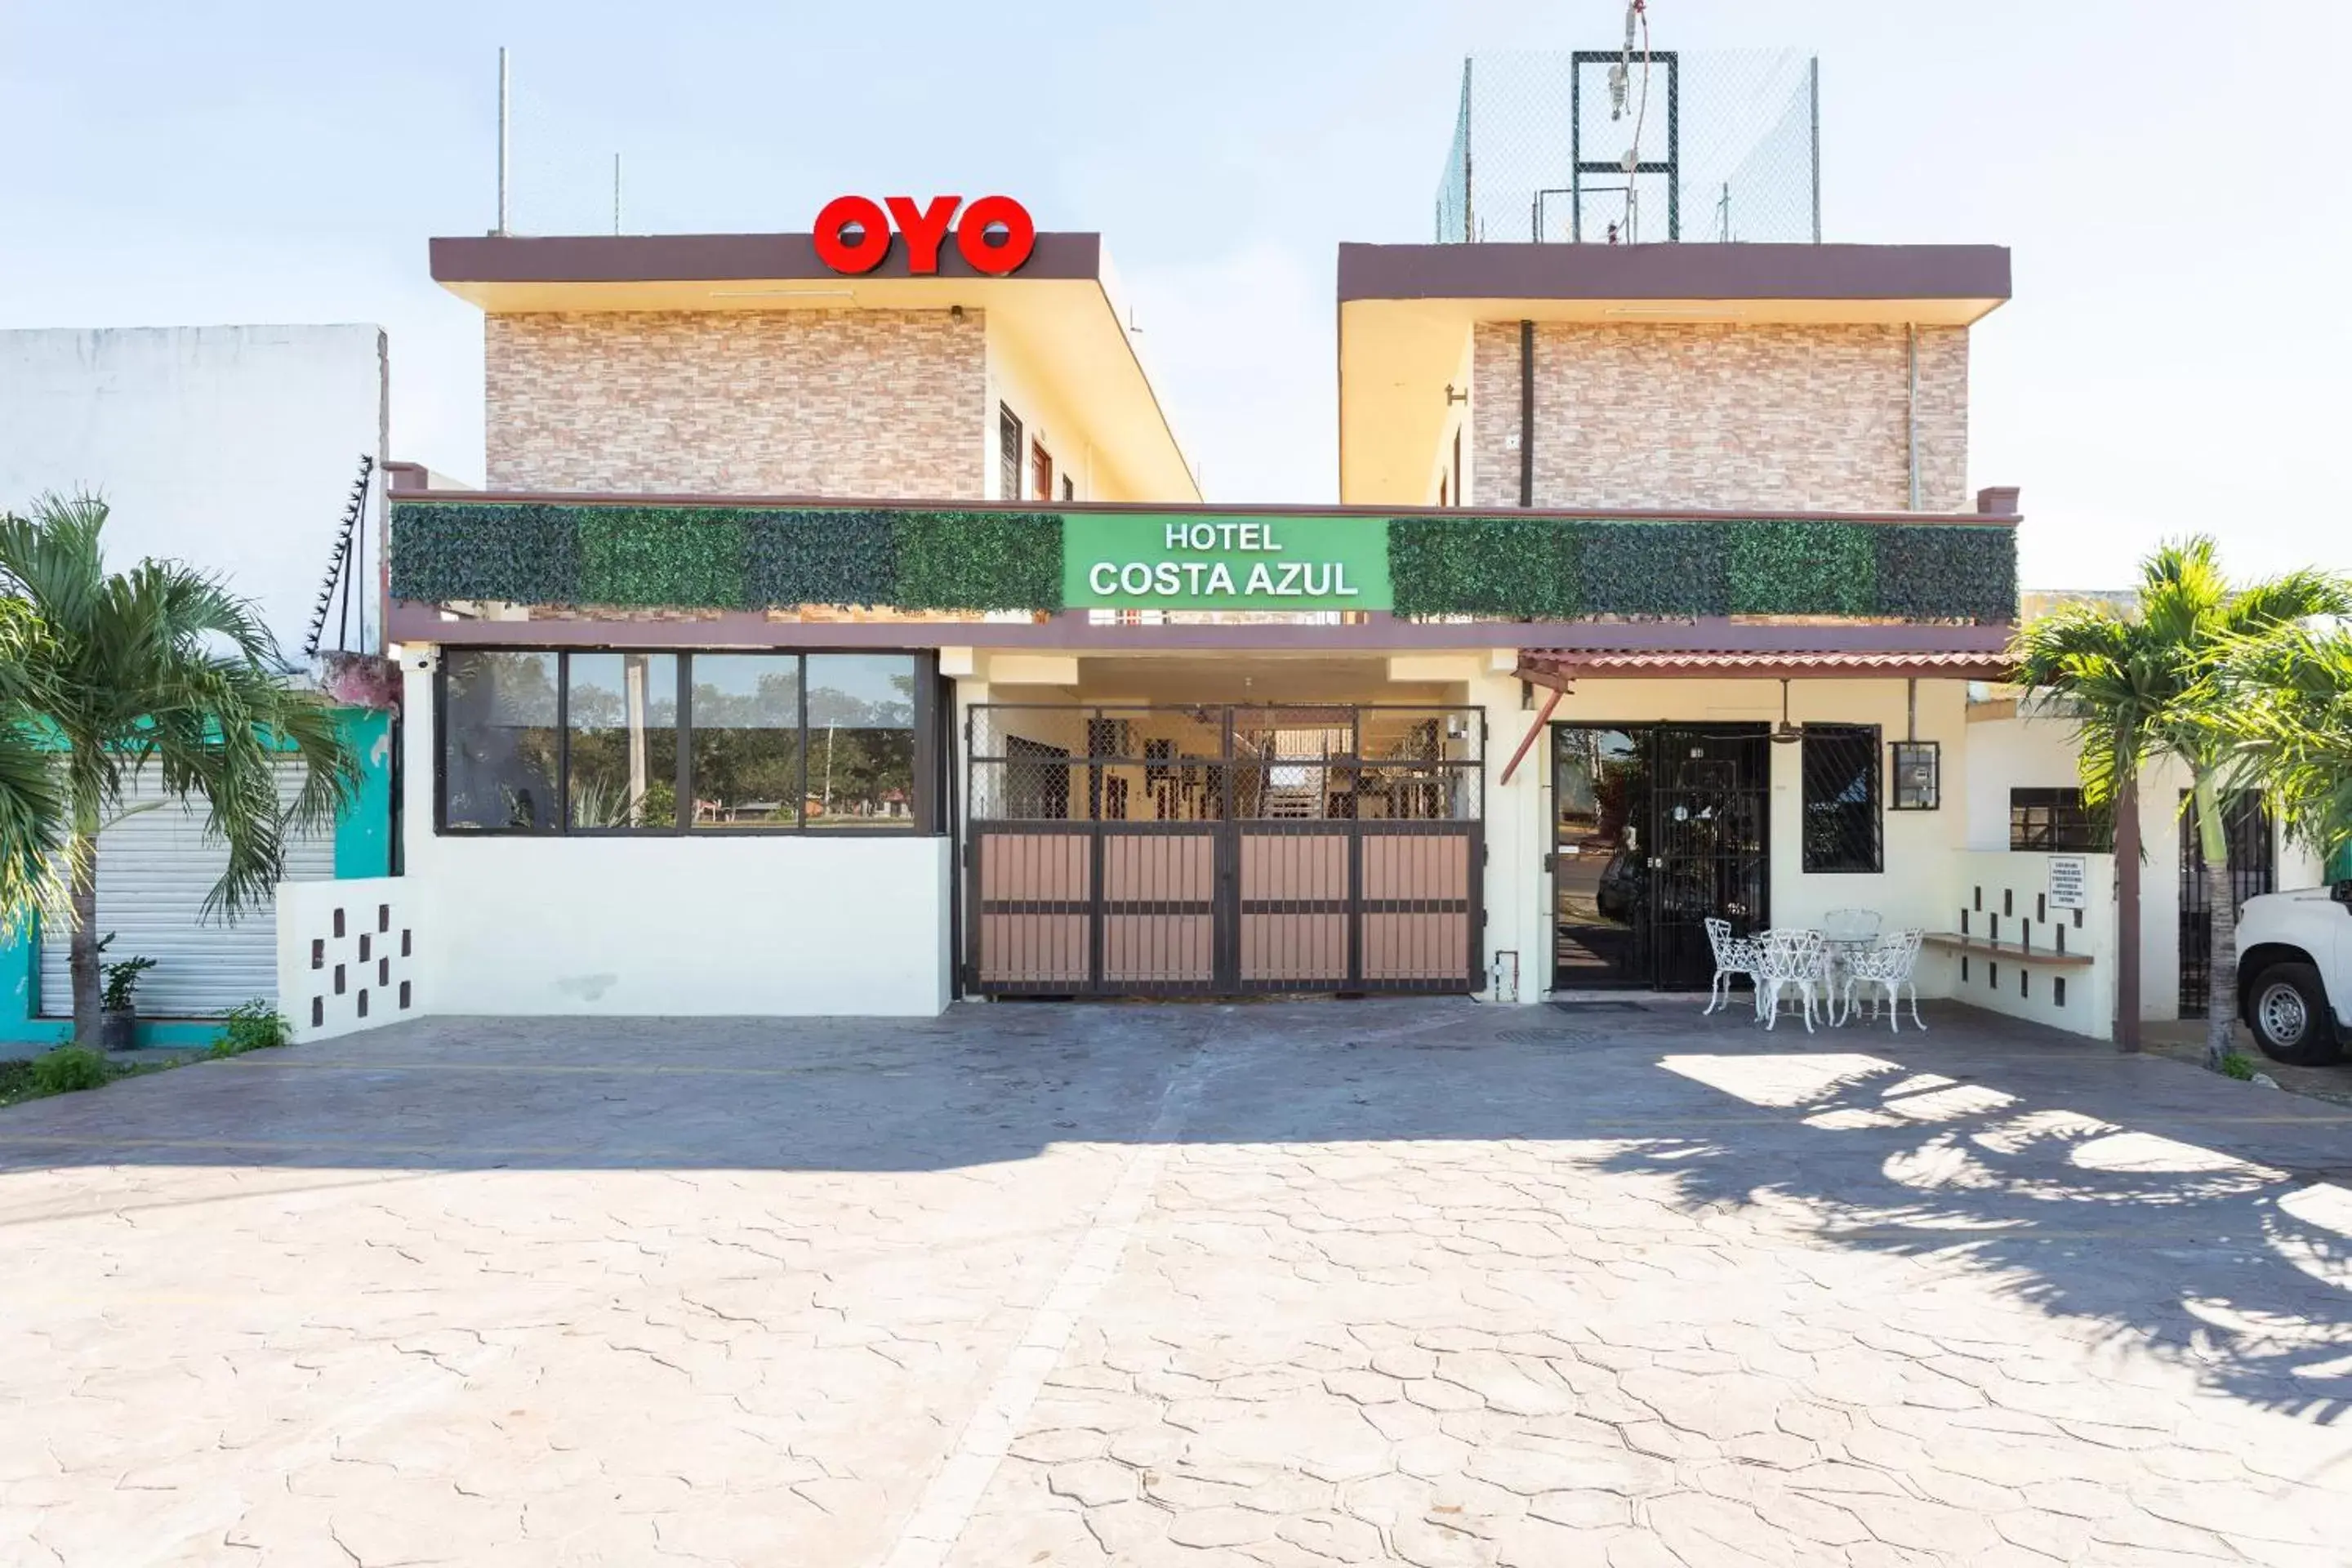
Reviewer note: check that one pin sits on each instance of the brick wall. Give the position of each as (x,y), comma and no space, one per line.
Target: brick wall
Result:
(1707,415)
(846,402)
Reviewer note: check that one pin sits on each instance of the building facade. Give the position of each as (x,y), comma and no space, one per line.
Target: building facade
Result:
(848,644)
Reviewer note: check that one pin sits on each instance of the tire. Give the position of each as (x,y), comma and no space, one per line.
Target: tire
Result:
(2287,1007)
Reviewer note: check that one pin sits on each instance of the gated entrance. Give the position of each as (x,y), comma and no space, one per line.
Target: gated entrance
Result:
(1222,850)
(2246,825)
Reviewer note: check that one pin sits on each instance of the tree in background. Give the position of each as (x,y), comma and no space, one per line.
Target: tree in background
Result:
(160,666)
(2284,704)
(32,786)
(2140,686)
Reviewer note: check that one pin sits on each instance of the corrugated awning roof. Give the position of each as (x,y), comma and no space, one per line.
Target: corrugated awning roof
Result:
(1554,664)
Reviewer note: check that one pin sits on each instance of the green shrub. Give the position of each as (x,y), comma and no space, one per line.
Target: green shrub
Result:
(1802,567)
(257,1026)
(820,558)
(528,554)
(69,1068)
(977,560)
(1947,570)
(2238,1064)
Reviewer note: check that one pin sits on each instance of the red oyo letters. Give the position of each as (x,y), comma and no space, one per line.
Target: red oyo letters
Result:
(925,229)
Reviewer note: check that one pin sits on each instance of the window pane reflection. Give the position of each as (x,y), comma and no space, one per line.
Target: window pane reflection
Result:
(746,723)
(622,710)
(498,765)
(861,741)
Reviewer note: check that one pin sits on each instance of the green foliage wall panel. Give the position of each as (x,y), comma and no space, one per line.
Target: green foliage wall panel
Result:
(1536,567)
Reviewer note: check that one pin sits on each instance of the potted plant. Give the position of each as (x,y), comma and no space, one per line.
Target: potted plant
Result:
(118,1022)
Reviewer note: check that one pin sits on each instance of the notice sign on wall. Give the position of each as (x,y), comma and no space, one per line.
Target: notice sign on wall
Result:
(2070,882)
(1202,561)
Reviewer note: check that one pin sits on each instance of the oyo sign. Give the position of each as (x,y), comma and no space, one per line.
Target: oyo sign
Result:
(995,233)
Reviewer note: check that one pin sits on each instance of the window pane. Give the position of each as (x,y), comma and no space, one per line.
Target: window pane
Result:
(746,722)
(497,767)
(623,713)
(1840,798)
(861,741)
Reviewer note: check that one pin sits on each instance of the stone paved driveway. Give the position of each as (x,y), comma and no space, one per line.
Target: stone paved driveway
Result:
(1281,1285)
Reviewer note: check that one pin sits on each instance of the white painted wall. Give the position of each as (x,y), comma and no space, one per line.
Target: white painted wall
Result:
(2013,885)
(377,956)
(233,447)
(787,925)
(2038,751)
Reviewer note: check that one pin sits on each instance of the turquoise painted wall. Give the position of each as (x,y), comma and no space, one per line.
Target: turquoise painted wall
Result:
(363,848)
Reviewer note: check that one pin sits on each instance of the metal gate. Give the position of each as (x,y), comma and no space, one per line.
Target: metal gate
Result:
(1222,851)
(2246,825)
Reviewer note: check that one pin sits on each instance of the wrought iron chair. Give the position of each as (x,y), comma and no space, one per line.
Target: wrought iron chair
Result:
(1734,956)
(1850,925)
(1889,964)
(1790,960)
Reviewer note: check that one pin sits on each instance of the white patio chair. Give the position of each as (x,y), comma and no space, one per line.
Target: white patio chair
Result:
(1734,956)
(1789,960)
(1889,964)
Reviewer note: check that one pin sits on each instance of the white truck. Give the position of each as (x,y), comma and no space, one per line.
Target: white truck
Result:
(2295,973)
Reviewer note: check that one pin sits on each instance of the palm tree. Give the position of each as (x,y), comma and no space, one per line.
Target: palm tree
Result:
(32,789)
(2140,686)
(2286,703)
(158,666)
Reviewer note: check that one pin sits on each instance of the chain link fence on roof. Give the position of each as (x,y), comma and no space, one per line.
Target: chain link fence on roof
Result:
(1634,146)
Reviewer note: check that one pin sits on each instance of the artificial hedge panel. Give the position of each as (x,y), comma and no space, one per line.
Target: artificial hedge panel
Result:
(1552,568)
(526,554)
(1802,568)
(1657,568)
(646,556)
(1485,566)
(1946,570)
(979,560)
(821,557)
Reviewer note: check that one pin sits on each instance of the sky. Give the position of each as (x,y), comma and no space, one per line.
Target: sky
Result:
(2171,179)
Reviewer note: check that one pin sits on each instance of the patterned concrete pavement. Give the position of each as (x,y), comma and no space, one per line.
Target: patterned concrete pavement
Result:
(1279,1285)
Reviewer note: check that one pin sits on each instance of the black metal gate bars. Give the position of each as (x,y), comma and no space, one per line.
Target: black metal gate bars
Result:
(2246,827)
(1222,850)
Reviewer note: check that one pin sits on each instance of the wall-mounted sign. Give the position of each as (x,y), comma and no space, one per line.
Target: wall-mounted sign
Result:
(995,233)
(2070,882)
(1167,562)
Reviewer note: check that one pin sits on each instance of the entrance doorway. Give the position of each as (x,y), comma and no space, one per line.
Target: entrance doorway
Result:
(1655,827)
(2246,825)
(1223,850)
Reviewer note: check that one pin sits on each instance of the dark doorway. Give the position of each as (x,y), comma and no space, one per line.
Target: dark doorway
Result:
(1655,828)
(2247,824)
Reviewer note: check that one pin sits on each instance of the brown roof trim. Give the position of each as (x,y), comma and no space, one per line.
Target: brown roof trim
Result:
(713,258)
(865,503)
(1073,631)
(1741,271)
(1548,667)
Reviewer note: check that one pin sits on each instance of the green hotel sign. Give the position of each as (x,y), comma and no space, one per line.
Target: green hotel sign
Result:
(1202,561)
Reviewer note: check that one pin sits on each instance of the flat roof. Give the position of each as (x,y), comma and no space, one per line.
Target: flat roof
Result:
(1960,279)
(1062,307)
(1406,312)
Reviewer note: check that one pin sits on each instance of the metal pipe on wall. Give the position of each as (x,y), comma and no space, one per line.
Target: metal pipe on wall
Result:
(1911,409)
(1526,414)
(503,124)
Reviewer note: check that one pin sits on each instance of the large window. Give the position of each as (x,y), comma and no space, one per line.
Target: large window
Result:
(600,742)
(501,756)
(2056,820)
(1841,796)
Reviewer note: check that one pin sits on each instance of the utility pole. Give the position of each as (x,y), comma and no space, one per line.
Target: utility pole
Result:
(503,124)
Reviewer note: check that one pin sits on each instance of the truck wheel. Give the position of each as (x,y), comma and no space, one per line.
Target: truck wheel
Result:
(2287,1007)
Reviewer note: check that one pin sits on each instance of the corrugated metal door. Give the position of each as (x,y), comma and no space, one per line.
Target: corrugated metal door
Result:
(155,869)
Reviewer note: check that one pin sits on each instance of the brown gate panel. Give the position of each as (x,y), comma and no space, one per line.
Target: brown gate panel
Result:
(1417,906)
(1158,910)
(1036,891)
(1294,906)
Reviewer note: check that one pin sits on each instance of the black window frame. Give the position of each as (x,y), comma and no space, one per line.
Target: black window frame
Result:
(1901,755)
(2068,825)
(926,792)
(1863,740)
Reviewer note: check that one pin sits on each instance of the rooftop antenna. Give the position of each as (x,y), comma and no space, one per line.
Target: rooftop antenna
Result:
(502,140)
(617,192)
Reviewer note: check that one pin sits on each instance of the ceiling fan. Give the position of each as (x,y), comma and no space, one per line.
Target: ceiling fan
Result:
(1786,734)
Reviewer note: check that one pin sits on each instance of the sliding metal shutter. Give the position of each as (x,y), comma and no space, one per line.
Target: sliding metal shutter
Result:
(155,869)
